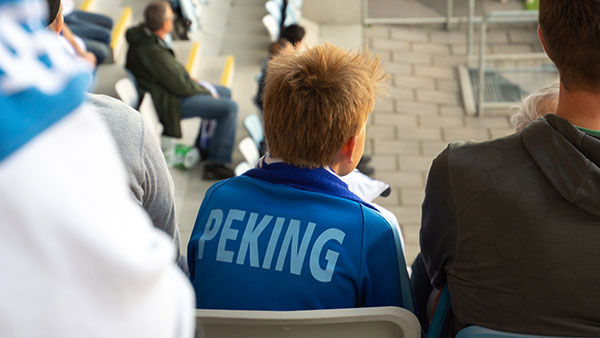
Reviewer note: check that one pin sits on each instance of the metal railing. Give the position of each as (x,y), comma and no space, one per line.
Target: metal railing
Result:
(448,20)
(499,17)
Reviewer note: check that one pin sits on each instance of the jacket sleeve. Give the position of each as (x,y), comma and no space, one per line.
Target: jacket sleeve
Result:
(173,77)
(381,280)
(438,225)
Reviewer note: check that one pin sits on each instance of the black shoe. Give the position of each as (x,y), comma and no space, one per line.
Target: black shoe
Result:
(365,169)
(217,172)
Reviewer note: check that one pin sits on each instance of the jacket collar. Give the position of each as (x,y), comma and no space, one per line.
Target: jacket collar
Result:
(320,180)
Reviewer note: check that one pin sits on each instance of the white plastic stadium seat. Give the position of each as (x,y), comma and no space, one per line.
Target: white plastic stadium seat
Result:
(127,92)
(242,168)
(271,26)
(254,128)
(249,151)
(151,117)
(374,322)
(274,9)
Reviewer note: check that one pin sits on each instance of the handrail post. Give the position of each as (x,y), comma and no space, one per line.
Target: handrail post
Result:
(481,84)
(470,28)
(449,10)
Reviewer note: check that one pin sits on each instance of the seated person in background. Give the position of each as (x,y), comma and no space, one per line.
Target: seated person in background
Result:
(174,93)
(538,104)
(71,42)
(94,29)
(294,34)
(80,258)
(276,47)
(512,225)
(289,235)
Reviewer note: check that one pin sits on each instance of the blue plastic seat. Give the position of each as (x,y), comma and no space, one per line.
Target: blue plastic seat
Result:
(442,316)
(482,332)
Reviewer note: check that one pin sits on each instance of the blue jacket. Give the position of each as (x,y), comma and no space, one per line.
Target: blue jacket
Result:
(284,238)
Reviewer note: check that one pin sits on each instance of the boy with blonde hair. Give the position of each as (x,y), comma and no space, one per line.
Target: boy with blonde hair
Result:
(289,235)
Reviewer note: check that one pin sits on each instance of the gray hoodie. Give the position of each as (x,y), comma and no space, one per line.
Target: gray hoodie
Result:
(149,178)
(512,226)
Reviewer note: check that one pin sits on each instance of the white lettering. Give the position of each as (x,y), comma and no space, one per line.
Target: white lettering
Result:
(292,243)
(210,229)
(250,239)
(273,243)
(297,254)
(325,275)
(229,234)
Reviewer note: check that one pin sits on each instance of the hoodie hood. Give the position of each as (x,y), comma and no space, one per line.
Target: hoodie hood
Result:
(569,158)
(141,35)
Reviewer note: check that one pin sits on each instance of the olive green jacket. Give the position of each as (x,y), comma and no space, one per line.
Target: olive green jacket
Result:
(157,71)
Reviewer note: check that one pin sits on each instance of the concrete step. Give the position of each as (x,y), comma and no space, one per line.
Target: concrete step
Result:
(248,2)
(256,38)
(249,57)
(233,45)
(246,13)
(247,28)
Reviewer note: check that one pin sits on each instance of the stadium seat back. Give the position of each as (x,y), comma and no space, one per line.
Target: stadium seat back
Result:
(241,168)
(380,322)
(151,117)
(249,151)
(127,92)
(254,128)
(271,26)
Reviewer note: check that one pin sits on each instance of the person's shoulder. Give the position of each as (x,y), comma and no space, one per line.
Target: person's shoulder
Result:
(372,216)
(102,101)
(226,187)
(501,145)
(484,155)
(116,113)
(471,168)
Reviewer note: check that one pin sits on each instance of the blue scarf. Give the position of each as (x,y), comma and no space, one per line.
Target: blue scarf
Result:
(318,180)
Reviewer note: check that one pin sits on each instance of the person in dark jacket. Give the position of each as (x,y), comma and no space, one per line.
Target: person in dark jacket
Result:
(512,225)
(175,95)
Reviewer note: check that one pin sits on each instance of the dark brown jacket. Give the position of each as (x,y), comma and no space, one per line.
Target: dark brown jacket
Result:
(513,227)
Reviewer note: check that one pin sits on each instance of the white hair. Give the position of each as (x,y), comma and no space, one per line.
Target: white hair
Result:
(535,105)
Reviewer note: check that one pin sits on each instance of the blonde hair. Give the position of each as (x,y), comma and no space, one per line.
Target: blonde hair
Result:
(316,100)
(537,104)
